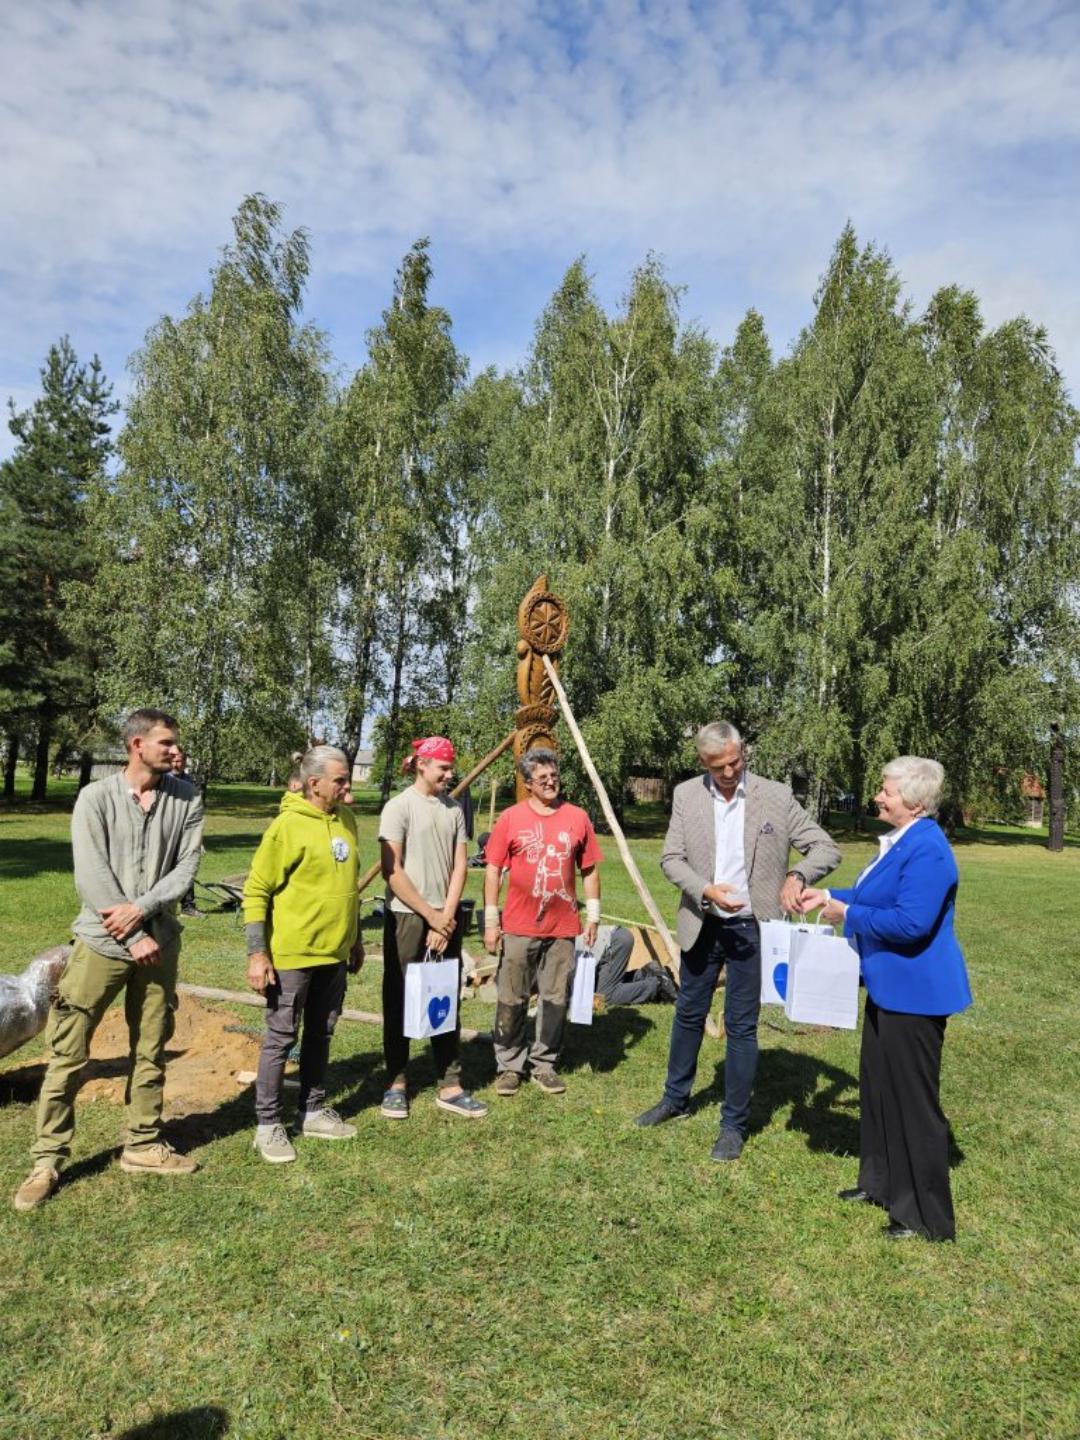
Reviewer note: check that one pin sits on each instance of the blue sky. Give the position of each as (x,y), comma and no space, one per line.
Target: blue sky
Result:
(734,139)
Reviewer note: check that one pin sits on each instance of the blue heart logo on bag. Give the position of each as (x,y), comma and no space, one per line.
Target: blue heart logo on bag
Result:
(779,979)
(438,1008)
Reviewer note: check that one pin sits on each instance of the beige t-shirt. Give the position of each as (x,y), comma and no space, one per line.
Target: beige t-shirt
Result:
(429,828)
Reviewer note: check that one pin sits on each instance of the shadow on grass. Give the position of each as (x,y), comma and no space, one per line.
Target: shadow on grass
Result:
(824,1101)
(606,1043)
(201,1422)
(22,859)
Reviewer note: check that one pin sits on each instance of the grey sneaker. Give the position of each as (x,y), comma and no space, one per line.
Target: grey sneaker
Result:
(326,1124)
(549,1082)
(729,1145)
(395,1105)
(273,1144)
(37,1187)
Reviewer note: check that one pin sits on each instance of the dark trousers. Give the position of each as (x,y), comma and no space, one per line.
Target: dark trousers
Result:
(403,945)
(903,1133)
(531,962)
(314,996)
(736,944)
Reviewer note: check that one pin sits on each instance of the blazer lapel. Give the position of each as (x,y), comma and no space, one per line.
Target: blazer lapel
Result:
(751,822)
(707,821)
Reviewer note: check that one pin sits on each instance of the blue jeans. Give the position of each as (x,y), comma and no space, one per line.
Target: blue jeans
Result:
(736,944)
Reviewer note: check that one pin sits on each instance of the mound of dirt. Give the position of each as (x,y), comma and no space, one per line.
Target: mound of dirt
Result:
(203,1058)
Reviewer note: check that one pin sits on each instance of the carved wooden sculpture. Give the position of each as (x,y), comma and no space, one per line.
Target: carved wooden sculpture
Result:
(543,624)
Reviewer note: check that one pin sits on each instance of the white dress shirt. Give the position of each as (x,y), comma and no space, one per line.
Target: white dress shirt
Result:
(729,868)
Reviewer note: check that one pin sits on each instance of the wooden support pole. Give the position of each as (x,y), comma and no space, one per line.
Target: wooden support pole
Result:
(474,774)
(249,997)
(613,824)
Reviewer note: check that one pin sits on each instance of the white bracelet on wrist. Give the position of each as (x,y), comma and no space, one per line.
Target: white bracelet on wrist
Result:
(491,917)
(592,912)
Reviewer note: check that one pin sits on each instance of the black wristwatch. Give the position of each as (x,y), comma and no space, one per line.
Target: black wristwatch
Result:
(797,876)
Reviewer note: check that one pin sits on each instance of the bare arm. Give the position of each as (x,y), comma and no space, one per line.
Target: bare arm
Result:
(591,885)
(393,869)
(492,886)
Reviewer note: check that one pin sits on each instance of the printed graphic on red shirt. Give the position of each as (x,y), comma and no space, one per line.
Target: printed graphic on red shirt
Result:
(543,852)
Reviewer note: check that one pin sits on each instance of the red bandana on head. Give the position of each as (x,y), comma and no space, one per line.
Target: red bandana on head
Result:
(435,747)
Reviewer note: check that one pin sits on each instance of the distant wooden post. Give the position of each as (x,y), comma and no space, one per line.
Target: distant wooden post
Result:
(1057,790)
(543,625)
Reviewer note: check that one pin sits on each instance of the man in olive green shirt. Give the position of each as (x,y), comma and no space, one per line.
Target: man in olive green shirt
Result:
(136,841)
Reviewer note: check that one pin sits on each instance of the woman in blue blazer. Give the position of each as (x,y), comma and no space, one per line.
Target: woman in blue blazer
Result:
(900,914)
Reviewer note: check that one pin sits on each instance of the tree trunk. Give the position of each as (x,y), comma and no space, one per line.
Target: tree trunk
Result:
(41,760)
(1056,841)
(86,768)
(10,764)
(394,720)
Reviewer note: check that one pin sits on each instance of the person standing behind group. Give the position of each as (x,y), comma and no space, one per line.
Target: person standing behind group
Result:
(136,839)
(424,859)
(301,914)
(188,907)
(900,913)
(727,849)
(543,840)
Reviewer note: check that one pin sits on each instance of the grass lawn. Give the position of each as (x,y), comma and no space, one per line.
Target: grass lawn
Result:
(552,1271)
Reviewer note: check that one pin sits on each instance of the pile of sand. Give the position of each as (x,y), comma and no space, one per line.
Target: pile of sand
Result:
(201,1062)
(203,1059)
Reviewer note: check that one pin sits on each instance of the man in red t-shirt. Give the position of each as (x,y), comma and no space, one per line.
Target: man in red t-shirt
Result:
(542,841)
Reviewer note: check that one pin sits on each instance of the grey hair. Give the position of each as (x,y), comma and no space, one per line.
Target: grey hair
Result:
(538,756)
(717,736)
(313,762)
(919,781)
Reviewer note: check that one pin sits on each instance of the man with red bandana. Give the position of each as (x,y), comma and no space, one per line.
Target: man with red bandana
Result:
(424,859)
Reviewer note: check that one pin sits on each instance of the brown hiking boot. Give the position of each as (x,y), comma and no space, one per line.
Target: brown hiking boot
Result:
(160,1159)
(507,1082)
(549,1082)
(36,1188)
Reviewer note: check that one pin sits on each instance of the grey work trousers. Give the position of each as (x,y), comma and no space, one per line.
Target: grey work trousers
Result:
(529,960)
(313,995)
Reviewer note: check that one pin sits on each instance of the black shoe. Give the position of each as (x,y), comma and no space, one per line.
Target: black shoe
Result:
(729,1145)
(858,1196)
(669,991)
(660,1112)
(895,1231)
(189,912)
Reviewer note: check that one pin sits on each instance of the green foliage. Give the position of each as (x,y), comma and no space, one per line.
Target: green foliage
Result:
(218,522)
(46,675)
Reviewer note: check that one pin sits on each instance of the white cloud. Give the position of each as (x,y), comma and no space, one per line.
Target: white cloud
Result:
(732,137)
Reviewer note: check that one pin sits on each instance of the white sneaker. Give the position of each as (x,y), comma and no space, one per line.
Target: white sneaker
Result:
(326,1124)
(273,1144)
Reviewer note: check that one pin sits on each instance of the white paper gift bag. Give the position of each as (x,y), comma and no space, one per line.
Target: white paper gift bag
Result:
(822,980)
(431,996)
(775,948)
(581,997)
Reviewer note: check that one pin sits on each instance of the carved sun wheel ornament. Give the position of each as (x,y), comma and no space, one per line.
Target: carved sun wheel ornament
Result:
(543,625)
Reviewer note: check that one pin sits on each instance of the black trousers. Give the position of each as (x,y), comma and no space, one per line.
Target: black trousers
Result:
(903,1133)
(403,945)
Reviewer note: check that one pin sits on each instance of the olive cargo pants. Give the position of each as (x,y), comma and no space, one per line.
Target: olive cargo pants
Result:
(88,987)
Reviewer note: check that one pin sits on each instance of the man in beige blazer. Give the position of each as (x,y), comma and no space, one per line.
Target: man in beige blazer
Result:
(727,849)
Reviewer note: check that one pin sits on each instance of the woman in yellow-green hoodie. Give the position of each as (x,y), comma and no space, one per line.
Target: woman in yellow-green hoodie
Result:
(301,919)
